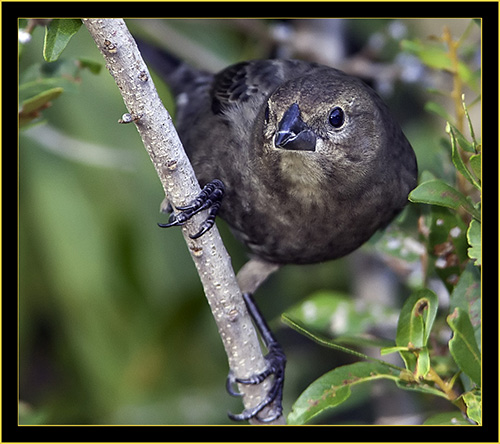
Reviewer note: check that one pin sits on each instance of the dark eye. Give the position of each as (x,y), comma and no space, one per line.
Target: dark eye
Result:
(336,117)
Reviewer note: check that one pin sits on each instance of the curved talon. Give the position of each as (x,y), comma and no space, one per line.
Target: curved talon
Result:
(209,221)
(255,379)
(172,222)
(230,381)
(210,198)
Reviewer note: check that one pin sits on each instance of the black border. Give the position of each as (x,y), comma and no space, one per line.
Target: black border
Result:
(488,11)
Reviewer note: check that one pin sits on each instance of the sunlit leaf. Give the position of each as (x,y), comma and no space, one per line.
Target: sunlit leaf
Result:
(414,327)
(334,387)
(472,400)
(40,100)
(460,138)
(469,122)
(457,158)
(30,108)
(467,296)
(474,239)
(437,192)
(463,346)
(416,318)
(448,418)
(57,35)
(475,163)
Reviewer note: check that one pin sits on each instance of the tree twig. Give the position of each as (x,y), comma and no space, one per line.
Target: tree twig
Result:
(125,64)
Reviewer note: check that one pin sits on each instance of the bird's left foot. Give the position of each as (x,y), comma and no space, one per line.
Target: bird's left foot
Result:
(210,198)
(276,362)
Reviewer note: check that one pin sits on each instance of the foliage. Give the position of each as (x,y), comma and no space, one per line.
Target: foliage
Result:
(450,228)
(43,83)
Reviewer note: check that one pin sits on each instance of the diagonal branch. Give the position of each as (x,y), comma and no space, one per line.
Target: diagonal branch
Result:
(125,64)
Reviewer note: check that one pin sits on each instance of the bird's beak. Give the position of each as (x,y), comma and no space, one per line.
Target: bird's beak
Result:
(293,133)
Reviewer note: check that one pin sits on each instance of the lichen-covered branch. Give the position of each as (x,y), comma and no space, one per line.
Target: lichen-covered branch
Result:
(125,64)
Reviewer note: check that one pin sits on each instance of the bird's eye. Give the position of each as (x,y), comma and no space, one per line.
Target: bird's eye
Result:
(336,117)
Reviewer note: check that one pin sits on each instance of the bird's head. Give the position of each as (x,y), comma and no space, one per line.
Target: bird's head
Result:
(328,125)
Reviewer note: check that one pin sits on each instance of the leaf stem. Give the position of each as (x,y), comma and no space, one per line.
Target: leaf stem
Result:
(447,389)
(329,343)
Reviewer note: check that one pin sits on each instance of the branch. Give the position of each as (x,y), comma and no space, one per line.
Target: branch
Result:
(125,64)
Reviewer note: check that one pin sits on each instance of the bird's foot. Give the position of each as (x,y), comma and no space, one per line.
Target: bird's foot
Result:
(276,362)
(210,198)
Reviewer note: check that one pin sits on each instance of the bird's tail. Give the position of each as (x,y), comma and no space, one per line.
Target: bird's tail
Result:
(180,76)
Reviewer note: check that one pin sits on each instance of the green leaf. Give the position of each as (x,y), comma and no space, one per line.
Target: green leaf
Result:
(334,387)
(463,346)
(57,35)
(474,239)
(414,327)
(472,400)
(460,138)
(467,296)
(40,100)
(448,418)
(475,163)
(30,108)
(469,122)
(416,319)
(437,192)
(457,158)
(423,363)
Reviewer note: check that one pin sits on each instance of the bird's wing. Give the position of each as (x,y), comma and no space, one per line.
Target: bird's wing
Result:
(254,79)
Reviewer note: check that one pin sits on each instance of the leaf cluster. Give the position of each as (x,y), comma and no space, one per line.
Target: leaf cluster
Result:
(41,84)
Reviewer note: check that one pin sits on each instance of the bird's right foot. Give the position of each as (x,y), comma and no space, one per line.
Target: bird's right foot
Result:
(210,198)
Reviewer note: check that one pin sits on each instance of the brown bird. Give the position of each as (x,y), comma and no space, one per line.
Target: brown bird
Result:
(304,162)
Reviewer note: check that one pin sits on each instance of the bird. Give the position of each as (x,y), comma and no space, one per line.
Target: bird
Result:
(303,161)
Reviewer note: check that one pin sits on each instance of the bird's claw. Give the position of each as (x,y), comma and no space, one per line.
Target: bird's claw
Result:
(276,361)
(210,198)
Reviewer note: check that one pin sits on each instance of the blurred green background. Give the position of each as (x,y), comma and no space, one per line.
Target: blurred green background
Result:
(113,324)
